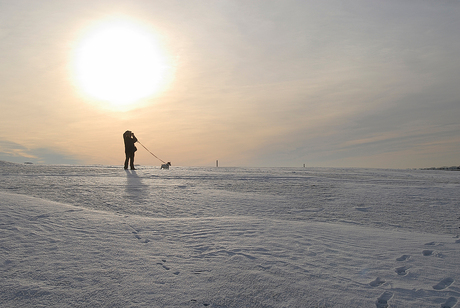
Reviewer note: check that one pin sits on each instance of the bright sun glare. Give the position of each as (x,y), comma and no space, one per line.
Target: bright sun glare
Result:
(120,63)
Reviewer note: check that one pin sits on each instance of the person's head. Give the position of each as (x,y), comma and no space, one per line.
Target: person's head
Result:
(127,134)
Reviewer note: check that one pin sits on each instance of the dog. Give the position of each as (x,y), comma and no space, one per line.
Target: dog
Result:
(166,166)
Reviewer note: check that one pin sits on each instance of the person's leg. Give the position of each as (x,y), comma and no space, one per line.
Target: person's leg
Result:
(132,161)
(126,161)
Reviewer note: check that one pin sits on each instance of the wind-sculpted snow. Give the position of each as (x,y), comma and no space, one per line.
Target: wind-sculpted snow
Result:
(57,255)
(419,200)
(227,237)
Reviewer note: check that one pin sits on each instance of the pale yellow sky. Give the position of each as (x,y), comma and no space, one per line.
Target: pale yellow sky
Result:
(266,83)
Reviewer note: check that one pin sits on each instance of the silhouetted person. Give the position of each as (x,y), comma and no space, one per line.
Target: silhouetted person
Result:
(130,148)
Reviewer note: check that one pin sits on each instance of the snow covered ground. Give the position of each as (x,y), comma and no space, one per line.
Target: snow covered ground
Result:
(99,236)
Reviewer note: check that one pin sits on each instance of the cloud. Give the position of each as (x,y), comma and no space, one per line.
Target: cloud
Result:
(14,152)
(332,83)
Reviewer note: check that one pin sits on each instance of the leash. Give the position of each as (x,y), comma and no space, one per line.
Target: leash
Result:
(151,153)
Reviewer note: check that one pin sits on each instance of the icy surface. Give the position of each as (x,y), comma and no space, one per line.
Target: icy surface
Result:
(422,200)
(99,236)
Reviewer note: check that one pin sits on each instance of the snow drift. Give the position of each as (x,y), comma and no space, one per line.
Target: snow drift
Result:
(189,237)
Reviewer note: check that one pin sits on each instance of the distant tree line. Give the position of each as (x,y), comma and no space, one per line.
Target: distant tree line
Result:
(453,168)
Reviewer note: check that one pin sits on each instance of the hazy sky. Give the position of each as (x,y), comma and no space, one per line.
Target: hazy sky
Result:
(344,83)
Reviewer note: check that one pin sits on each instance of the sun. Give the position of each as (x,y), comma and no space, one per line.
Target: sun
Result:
(119,63)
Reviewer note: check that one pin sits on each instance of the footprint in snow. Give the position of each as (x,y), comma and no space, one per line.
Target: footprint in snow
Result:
(140,238)
(402,271)
(451,301)
(378,281)
(382,301)
(427,252)
(403,258)
(164,266)
(446,282)
(194,301)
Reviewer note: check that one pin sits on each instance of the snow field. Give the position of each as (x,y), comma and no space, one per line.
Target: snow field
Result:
(58,255)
